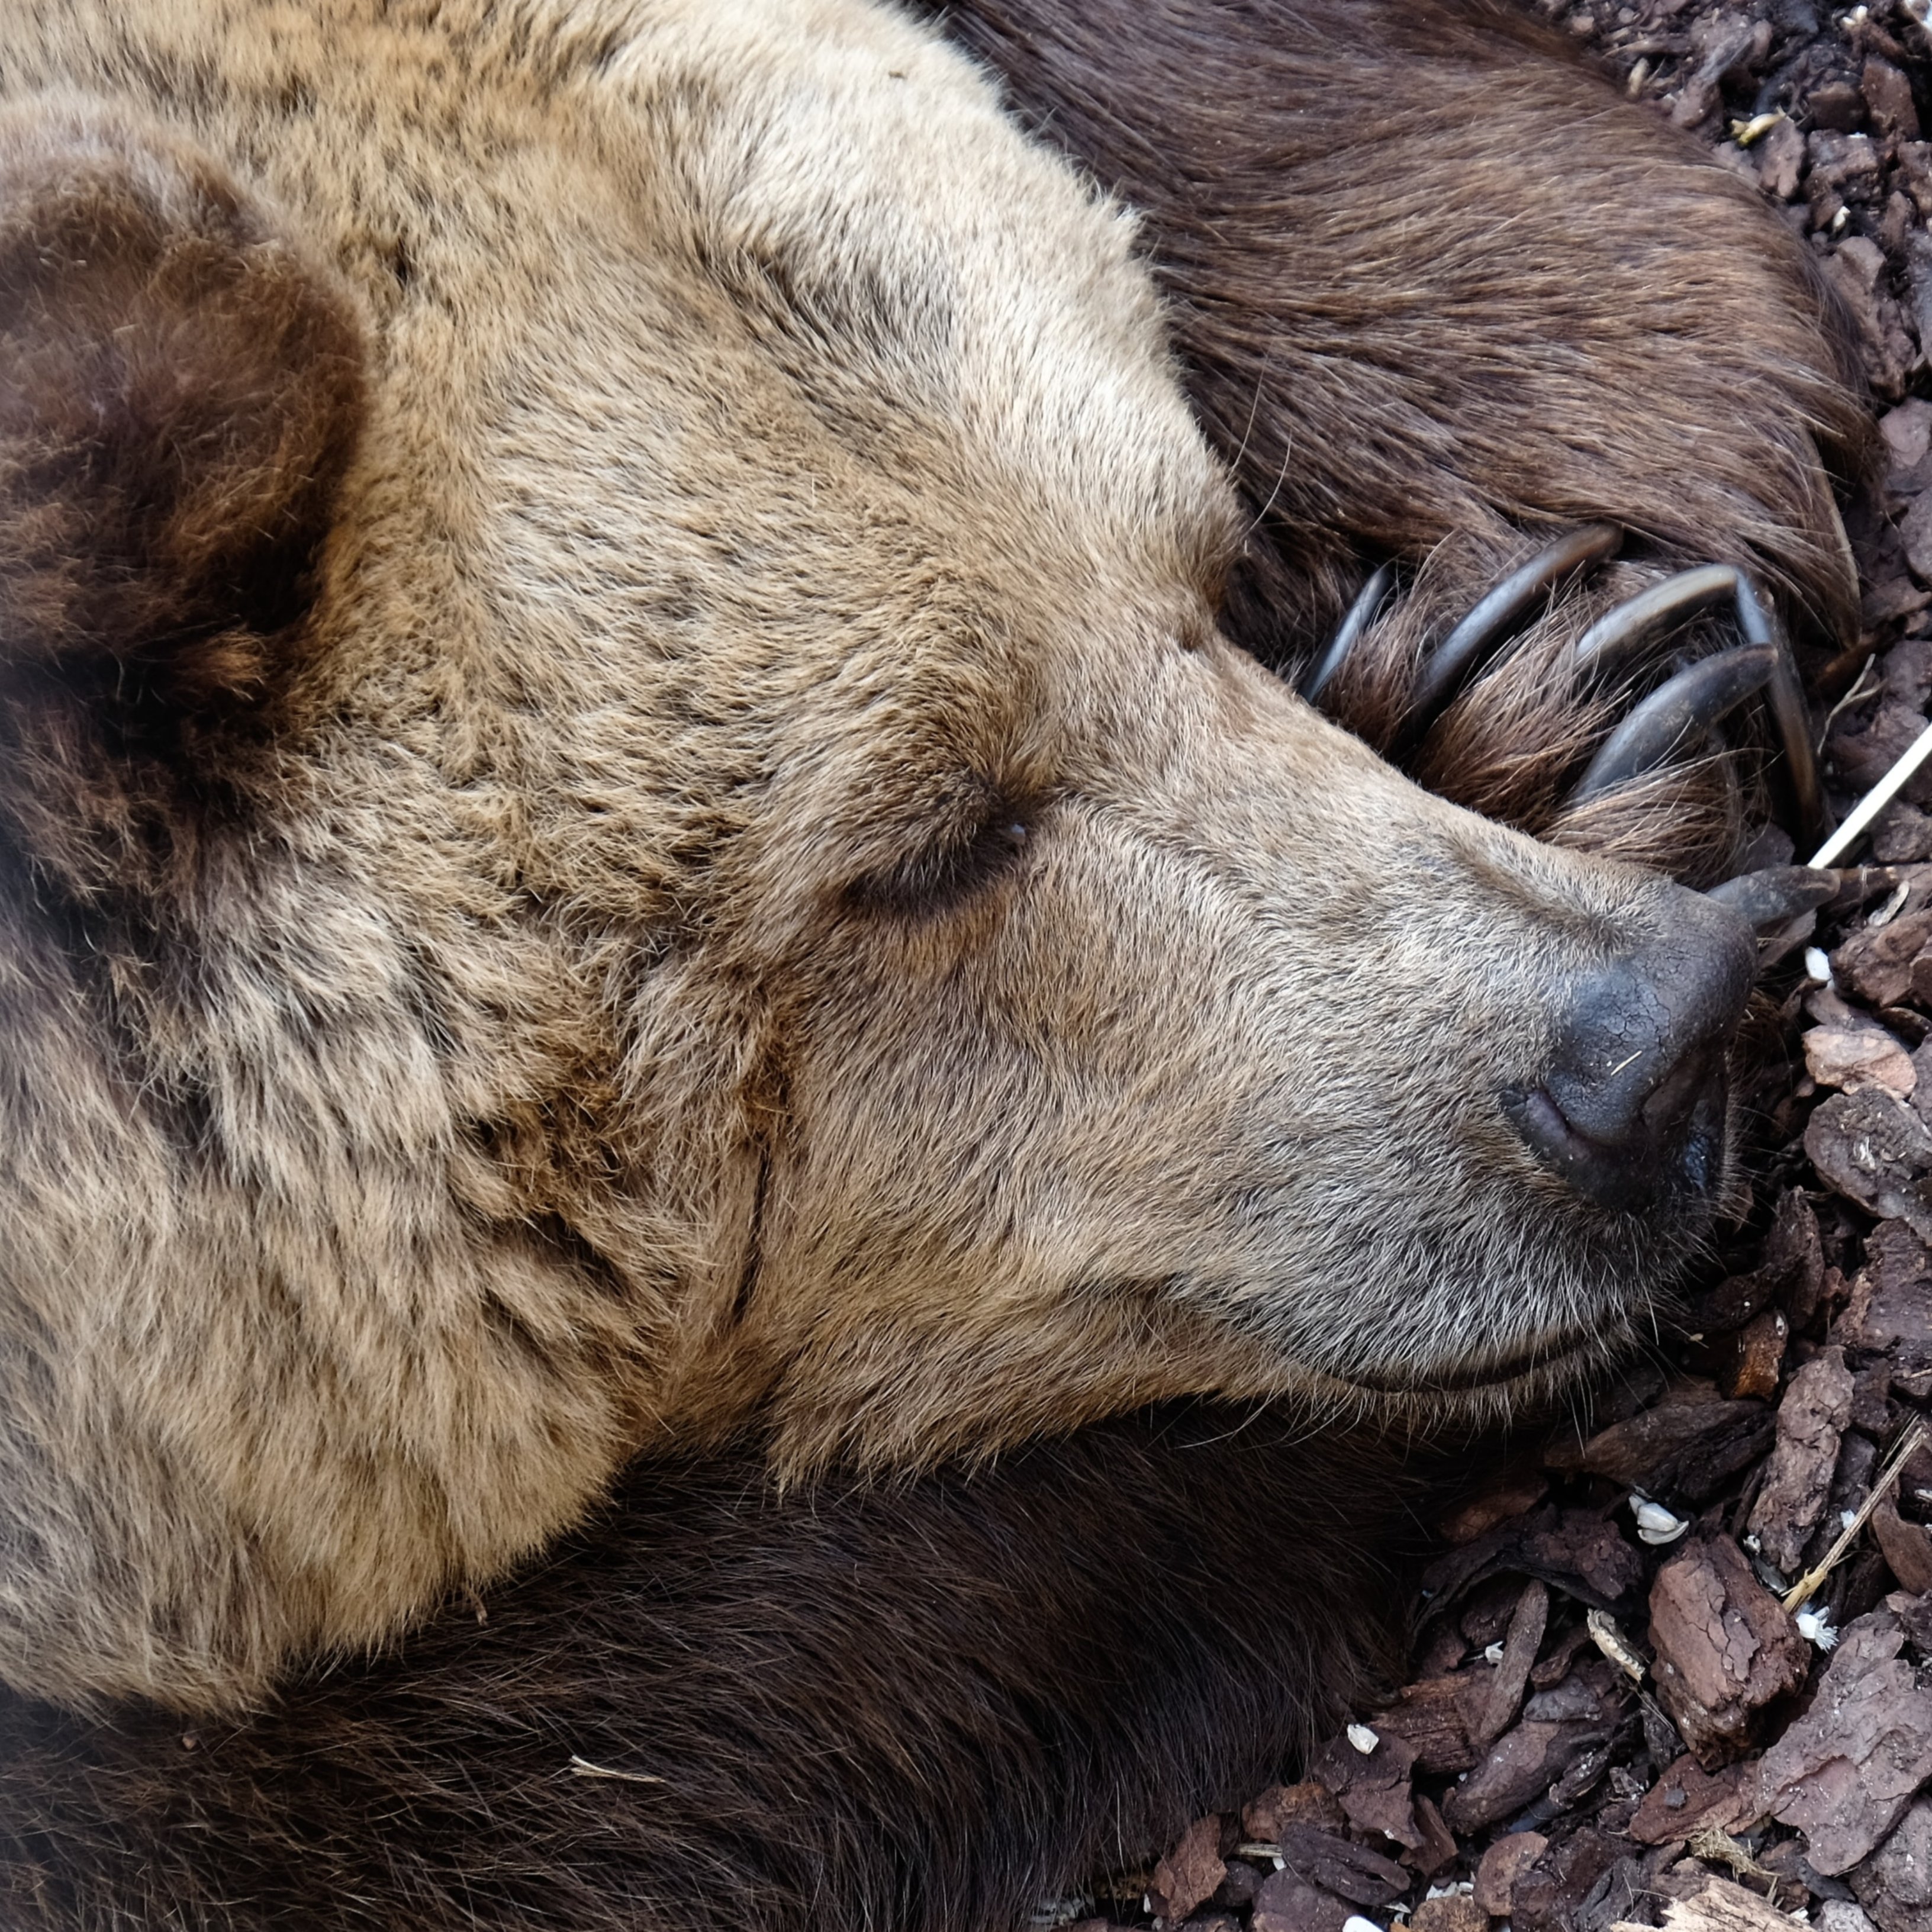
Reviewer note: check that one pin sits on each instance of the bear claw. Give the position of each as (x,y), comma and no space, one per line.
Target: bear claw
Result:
(1696,697)
(1500,613)
(1367,608)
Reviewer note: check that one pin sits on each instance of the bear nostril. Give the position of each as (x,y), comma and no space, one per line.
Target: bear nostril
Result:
(1631,1108)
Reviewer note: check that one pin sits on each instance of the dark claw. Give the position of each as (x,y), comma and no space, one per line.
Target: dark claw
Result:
(1698,696)
(1609,643)
(1774,897)
(1758,619)
(1617,635)
(1361,614)
(1499,615)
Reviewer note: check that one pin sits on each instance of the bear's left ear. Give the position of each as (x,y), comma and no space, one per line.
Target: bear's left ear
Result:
(180,390)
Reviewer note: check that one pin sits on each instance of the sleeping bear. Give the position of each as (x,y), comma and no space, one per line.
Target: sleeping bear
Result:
(669,917)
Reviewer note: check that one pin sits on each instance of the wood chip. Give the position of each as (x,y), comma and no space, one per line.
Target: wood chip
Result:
(1896,1881)
(1844,1772)
(1686,1798)
(1725,1649)
(1721,1906)
(1688,1445)
(1521,1765)
(1346,1870)
(1500,1865)
(1907,1547)
(1868,1057)
(1287,1902)
(1373,1786)
(1524,1640)
(1755,1358)
(1281,1805)
(1875,1150)
(1813,1415)
(1876,961)
(1190,1874)
(1431,1716)
(1456,1912)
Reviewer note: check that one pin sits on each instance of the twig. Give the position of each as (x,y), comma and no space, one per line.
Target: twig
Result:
(1806,1586)
(1874,802)
(1856,695)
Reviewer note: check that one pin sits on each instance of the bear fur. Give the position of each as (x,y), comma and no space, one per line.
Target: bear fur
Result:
(634,820)
(729,879)
(925,1706)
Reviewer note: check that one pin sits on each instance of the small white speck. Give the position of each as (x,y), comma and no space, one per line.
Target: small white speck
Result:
(1890,910)
(1814,1628)
(1817,966)
(1365,1740)
(1655,1524)
(1492,1653)
(1846,1518)
(1355,1923)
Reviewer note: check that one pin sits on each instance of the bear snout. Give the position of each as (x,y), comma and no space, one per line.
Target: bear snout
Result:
(1631,1110)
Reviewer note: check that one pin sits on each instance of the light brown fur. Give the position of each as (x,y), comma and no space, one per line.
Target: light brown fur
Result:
(580,989)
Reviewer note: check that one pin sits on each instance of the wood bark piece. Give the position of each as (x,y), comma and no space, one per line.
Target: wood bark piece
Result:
(1520,1766)
(1281,1805)
(1907,1549)
(1580,1552)
(1431,1718)
(1502,1865)
(1190,1874)
(1889,1311)
(1515,1491)
(1439,1848)
(1287,1903)
(1724,1648)
(1686,1798)
(1520,1644)
(1687,1444)
(1813,1415)
(1548,1892)
(1895,1882)
(1373,1786)
(1349,1871)
(1875,962)
(1457,1913)
(1845,1772)
(1756,1357)
(1853,1057)
(1872,1148)
(1721,1906)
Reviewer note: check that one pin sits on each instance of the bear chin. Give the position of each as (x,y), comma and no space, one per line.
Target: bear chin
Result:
(672,932)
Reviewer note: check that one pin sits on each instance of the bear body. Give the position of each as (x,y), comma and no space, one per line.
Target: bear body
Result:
(644,820)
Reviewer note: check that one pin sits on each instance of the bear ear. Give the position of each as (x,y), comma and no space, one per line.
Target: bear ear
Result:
(180,391)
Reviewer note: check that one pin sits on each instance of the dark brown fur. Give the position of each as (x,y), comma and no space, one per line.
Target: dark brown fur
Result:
(182,392)
(917,1709)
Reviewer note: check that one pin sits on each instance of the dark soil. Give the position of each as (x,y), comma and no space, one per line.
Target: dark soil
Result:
(1611,1706)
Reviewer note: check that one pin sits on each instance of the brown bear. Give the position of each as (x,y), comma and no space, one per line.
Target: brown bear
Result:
(635,824)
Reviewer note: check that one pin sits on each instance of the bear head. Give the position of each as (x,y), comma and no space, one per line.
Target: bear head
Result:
(625,822)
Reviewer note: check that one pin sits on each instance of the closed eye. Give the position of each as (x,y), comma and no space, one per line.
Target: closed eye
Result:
(950,870)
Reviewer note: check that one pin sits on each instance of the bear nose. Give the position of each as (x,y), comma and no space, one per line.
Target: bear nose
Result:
(1632,1108)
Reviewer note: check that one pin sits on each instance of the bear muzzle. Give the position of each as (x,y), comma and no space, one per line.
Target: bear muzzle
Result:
(1631,1110)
